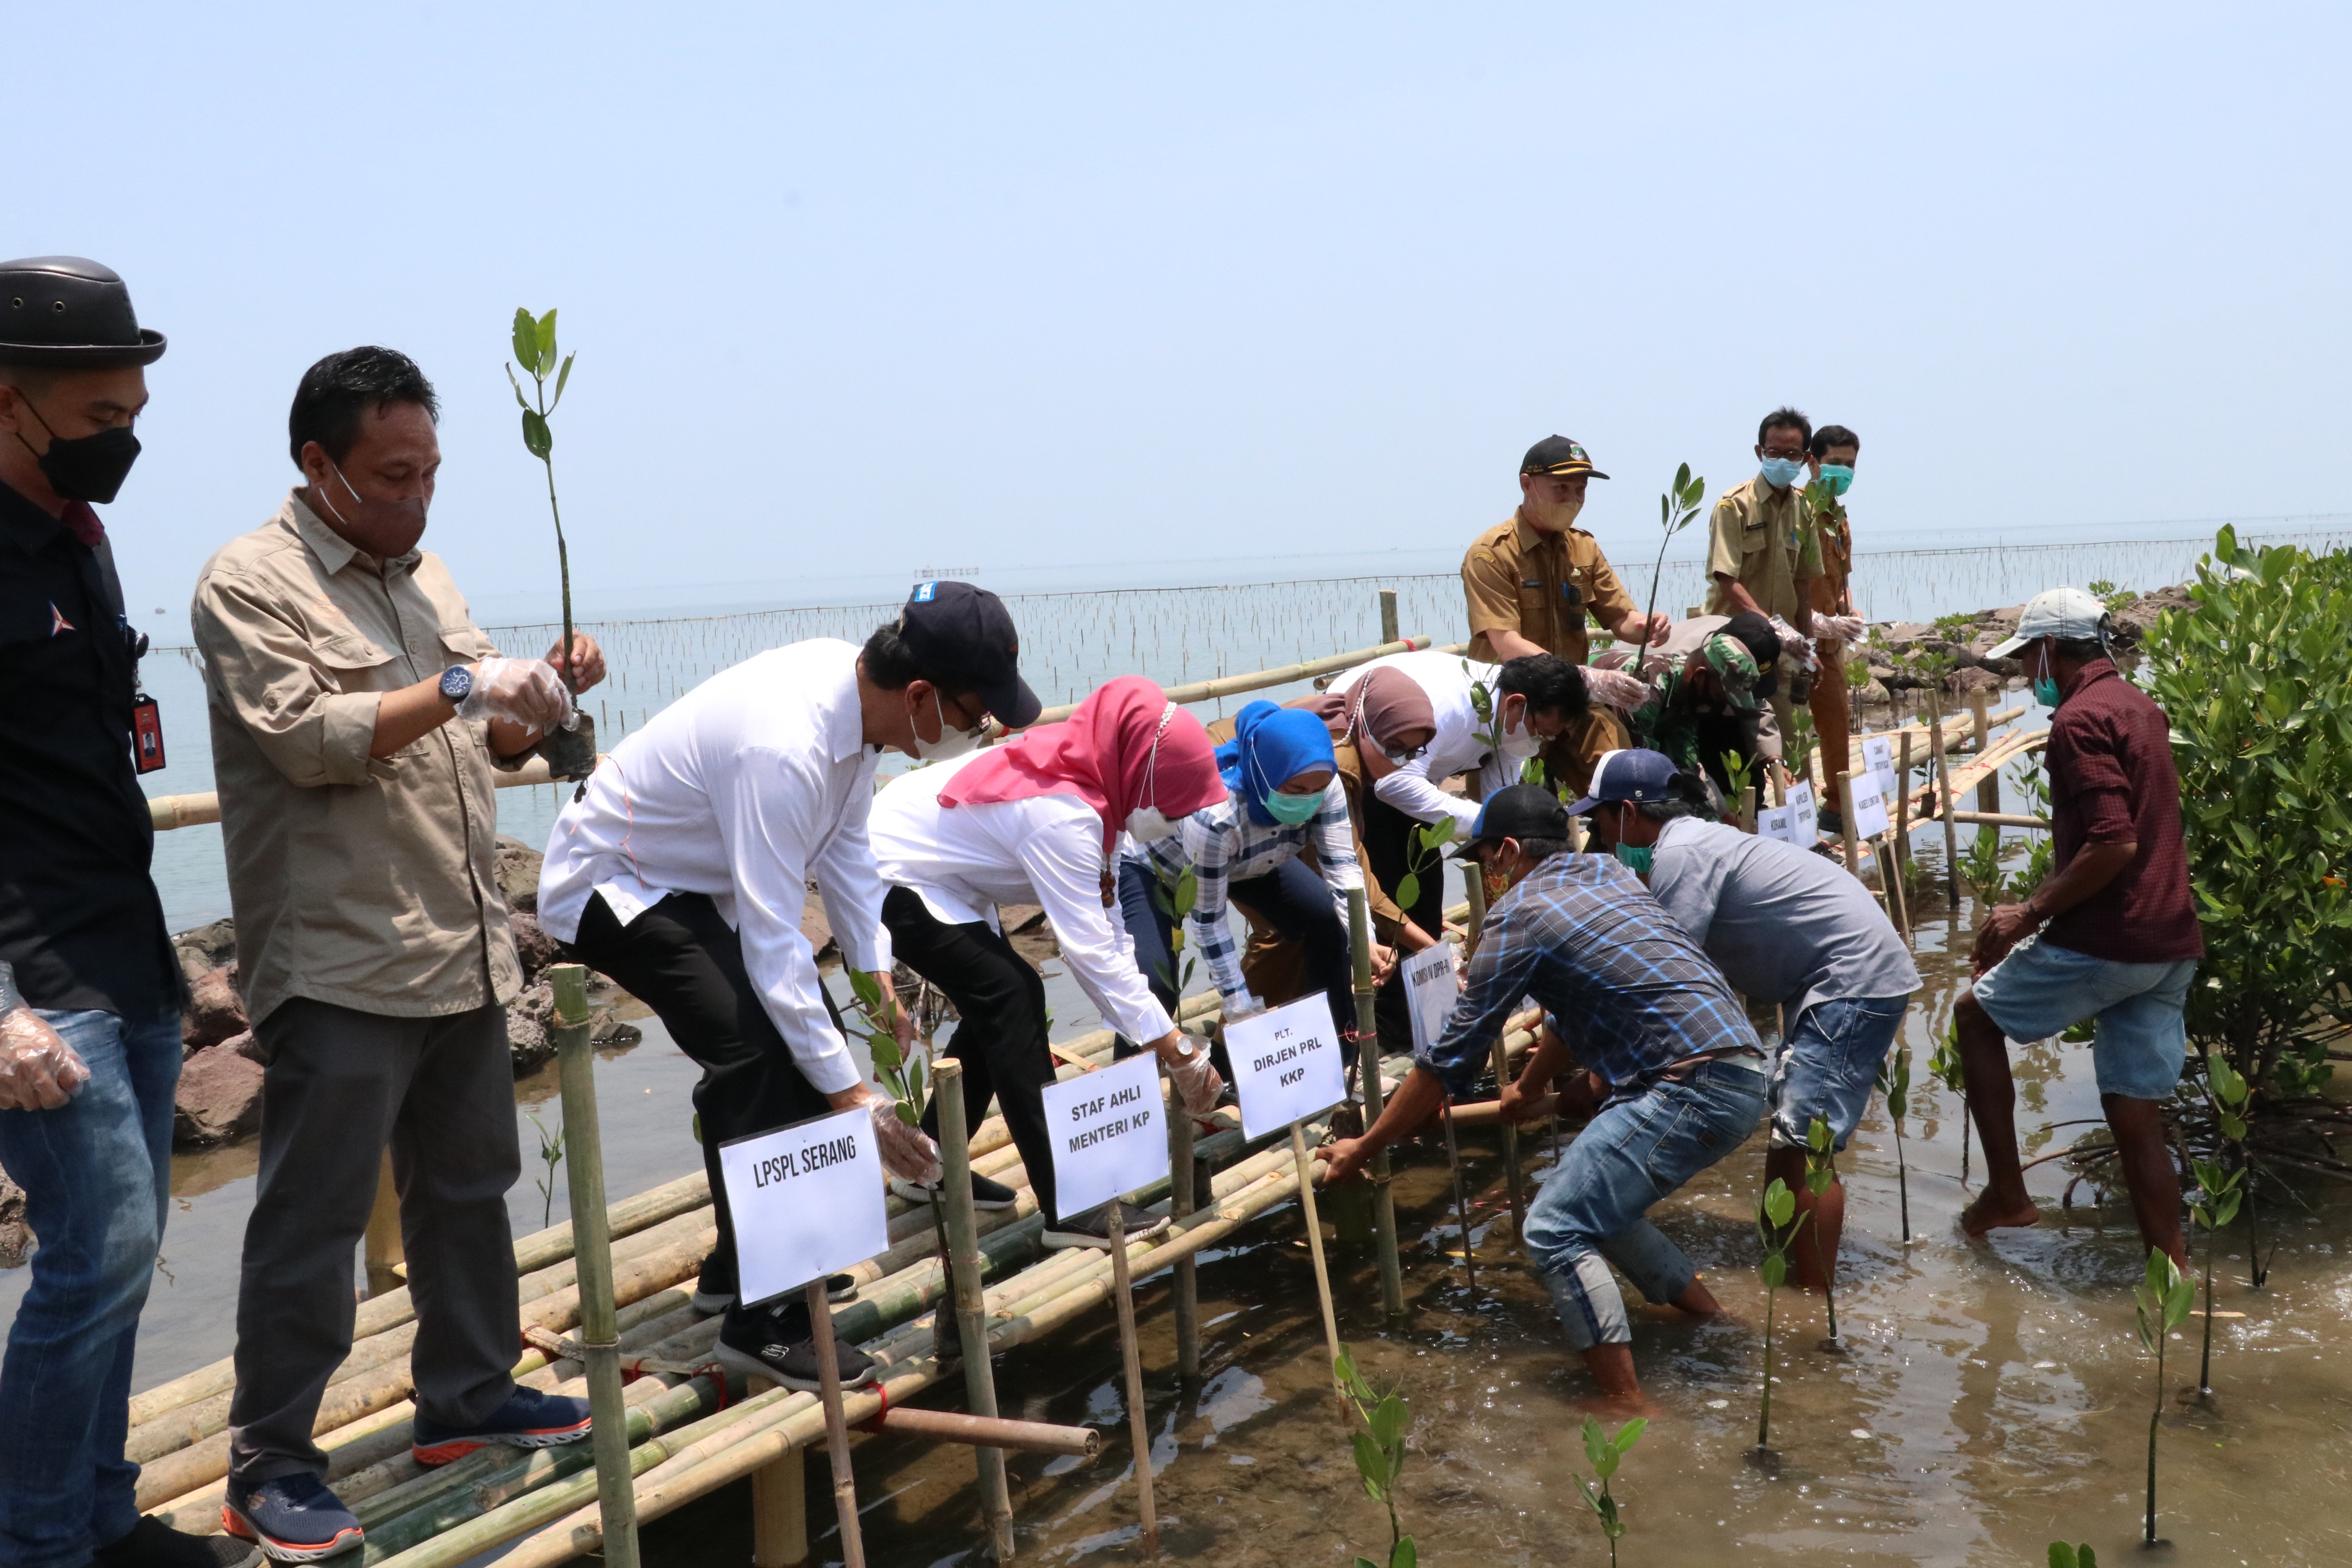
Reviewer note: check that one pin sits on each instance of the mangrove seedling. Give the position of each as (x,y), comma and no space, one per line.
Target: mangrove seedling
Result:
(1175,897)
(1741,771)
(2233,1098)
(2215,1205)
(570,753)
(1380,1453)
(1677,509)
(2162,1304)
(1949,1070)
(550,1153)
(1820,1175)
(1423,851)
(1605,1452)
(1774,1232)
(2065,1557)
(905,1078)
(1895,1083)
(1981,861)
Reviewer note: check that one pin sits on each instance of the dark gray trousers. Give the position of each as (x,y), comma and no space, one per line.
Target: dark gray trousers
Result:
(340,1085)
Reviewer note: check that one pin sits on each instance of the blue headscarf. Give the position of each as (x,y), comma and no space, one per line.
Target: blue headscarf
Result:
(1271,746)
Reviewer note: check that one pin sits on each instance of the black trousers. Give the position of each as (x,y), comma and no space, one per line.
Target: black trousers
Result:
(683,961)
(1291,901)
(1001,1035)
(1389,845)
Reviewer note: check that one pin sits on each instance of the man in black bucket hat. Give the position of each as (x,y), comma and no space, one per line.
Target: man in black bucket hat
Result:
(90,990)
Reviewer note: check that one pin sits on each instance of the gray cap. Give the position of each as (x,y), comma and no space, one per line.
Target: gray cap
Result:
(2068,614)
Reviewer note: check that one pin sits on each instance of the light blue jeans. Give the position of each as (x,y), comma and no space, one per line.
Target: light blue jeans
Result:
(1592,1209)
(97,1175)
(1830,1064)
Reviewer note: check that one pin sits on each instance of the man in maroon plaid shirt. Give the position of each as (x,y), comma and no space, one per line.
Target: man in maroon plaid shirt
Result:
(2118,939)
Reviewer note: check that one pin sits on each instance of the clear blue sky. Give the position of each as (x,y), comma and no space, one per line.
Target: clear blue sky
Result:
(858,289)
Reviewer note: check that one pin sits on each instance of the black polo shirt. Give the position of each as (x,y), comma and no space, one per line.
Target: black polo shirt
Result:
(79,915)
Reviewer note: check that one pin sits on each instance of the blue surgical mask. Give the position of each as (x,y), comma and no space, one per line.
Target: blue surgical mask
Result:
(1840,477)
(1635,856)
(2045,690)
(1291,810)
(1781,472)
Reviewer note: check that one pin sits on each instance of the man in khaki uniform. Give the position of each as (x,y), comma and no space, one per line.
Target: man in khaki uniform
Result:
(1764,553)
(1531,581)
(1835,449)
(357,715)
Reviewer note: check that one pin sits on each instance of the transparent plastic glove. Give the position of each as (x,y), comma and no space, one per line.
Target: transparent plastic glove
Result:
(1243,1005)
(1616,689)
(520,690)
(1196,1081)
(908,1152)
(1837,628)
(38,1071)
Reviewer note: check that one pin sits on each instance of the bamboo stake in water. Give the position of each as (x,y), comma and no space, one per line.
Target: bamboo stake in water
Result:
(1944,788)
(1475,886)
(1898,840)
(593,1258)
(971,1323)
(1181,1173)
(836,1426)
(1306,1168)
(1387,615)
(1461,1205)
(1139,1426)
(1368,1029)
(1845,819)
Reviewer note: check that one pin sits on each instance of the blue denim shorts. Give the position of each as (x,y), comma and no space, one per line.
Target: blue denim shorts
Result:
(1830,1064)
(2039,990)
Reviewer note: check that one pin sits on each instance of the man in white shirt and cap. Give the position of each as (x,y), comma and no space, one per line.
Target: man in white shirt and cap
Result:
(681,869)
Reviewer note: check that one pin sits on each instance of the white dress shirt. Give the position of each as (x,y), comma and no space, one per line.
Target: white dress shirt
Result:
(1460,745)
(964,860)
(743,789)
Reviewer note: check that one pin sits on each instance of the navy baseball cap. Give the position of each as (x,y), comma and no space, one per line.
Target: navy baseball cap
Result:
(956,626)
(1523,811)
(1634,775)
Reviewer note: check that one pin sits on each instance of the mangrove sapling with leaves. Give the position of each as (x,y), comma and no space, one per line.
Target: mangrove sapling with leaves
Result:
(1895,1083)
(1606,1453)
(1820,1175)
(1175,896)
(1946,1068)
(570,752)
(1741,796)
(905,1078)
(1677,509)
(1981,861)
(1425,849)
(2214,1204)
(2162,1305)
(2065,1557)
(1380,1453)
(551,1155)
(1773,1233)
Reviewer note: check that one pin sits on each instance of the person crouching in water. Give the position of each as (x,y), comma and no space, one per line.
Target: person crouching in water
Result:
(1037,821)
(1631,1001)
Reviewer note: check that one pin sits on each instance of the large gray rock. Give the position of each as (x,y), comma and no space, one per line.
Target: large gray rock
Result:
(219,1099)
(206,947)
(213,1012)
(516,867)
(15,1237)
(533,947)
(531,1028)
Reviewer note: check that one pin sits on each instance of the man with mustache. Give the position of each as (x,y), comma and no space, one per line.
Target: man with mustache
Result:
(357,716)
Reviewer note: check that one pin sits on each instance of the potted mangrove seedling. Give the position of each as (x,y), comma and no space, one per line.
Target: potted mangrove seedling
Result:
(570,753)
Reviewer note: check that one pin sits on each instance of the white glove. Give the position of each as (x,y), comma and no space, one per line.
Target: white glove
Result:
(908,1152)
(1196,1081)
(1616,689)
(526,691)
(1837,628)
(38,1071)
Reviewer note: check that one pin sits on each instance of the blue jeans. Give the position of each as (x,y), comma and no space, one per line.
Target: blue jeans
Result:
(97,1174)
(1592,1211)
(2141,1040)
(1830,1066)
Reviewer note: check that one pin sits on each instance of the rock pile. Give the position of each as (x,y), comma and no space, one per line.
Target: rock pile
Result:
(1896,650)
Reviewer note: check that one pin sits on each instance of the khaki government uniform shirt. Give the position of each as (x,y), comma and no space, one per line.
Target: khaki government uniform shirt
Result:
(1541,585)
(1836,534)
(1764,539)
(359,881)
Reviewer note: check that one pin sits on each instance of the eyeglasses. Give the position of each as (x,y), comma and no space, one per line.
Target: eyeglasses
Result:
(1403,754)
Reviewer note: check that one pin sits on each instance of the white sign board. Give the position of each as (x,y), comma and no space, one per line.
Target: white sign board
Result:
(1801,801)
(806,1200)
(1431,992)
(1877,754)
(1287,1064)
(1777,822)
(1869,807)
(1108,1138)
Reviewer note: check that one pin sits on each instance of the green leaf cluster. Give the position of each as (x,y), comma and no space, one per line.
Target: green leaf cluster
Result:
(1895,1082)
(2252,678)
(2065,1557)
(1605,1453)
(1945,1065)
(906,1079)
(2163,1301)
(534,349)
(1425,847)
(1380,1450)
(1175,897)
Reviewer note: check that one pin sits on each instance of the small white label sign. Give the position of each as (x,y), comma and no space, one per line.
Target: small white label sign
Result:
(807,1202)
(1877,754)
(1777,822)
(1287,1065)
(1108,1137)
(1801,801)
(1431,992)
(1869,807)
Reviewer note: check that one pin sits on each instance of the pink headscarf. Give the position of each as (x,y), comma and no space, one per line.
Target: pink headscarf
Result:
(1102,754)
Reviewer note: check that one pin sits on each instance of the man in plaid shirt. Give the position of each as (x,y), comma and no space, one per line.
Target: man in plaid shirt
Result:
(1664,1043)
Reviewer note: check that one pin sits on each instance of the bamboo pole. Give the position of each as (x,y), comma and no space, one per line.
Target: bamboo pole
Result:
(1845,816)
(979,1374)
(990,1434)
(1139,1425)
(1988,787)
(1281,675)
(779,1511)
(1898,842)
(1944,786)
(1387,615)
(1185,1283)
(1461,1204)
(2001,819)
(1368,1030)
(600,1332)
(836,1425)
(1304,1169)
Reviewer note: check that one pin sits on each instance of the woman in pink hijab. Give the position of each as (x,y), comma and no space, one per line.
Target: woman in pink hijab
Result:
(1037,820)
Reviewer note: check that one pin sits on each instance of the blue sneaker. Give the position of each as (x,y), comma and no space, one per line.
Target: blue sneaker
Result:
(293,1519)
(529,1420)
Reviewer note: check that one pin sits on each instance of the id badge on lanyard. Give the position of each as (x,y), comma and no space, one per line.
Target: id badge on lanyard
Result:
(146,735)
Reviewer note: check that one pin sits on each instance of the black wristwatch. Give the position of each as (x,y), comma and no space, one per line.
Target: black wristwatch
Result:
(457,684)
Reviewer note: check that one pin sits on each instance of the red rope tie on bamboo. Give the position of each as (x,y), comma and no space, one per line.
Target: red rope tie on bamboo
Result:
(874,1424)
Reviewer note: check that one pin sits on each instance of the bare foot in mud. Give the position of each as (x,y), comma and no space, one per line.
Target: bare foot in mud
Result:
(1619,1407)
(1989,1213)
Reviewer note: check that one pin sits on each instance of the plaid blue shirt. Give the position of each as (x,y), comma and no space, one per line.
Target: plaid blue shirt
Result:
(1223,845)
(1628,993)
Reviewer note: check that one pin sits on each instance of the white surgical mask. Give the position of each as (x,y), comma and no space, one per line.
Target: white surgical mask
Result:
(1519,742)
(952,743)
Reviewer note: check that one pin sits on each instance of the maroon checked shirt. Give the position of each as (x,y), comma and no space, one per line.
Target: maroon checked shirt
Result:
(2112,781)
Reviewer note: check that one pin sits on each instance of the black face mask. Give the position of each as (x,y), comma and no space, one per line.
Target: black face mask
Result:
(88,467)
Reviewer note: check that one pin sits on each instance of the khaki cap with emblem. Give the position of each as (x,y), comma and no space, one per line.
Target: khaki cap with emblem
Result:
(1560,456)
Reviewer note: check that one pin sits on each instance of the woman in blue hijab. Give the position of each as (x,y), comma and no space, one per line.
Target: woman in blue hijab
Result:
(1281,795)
